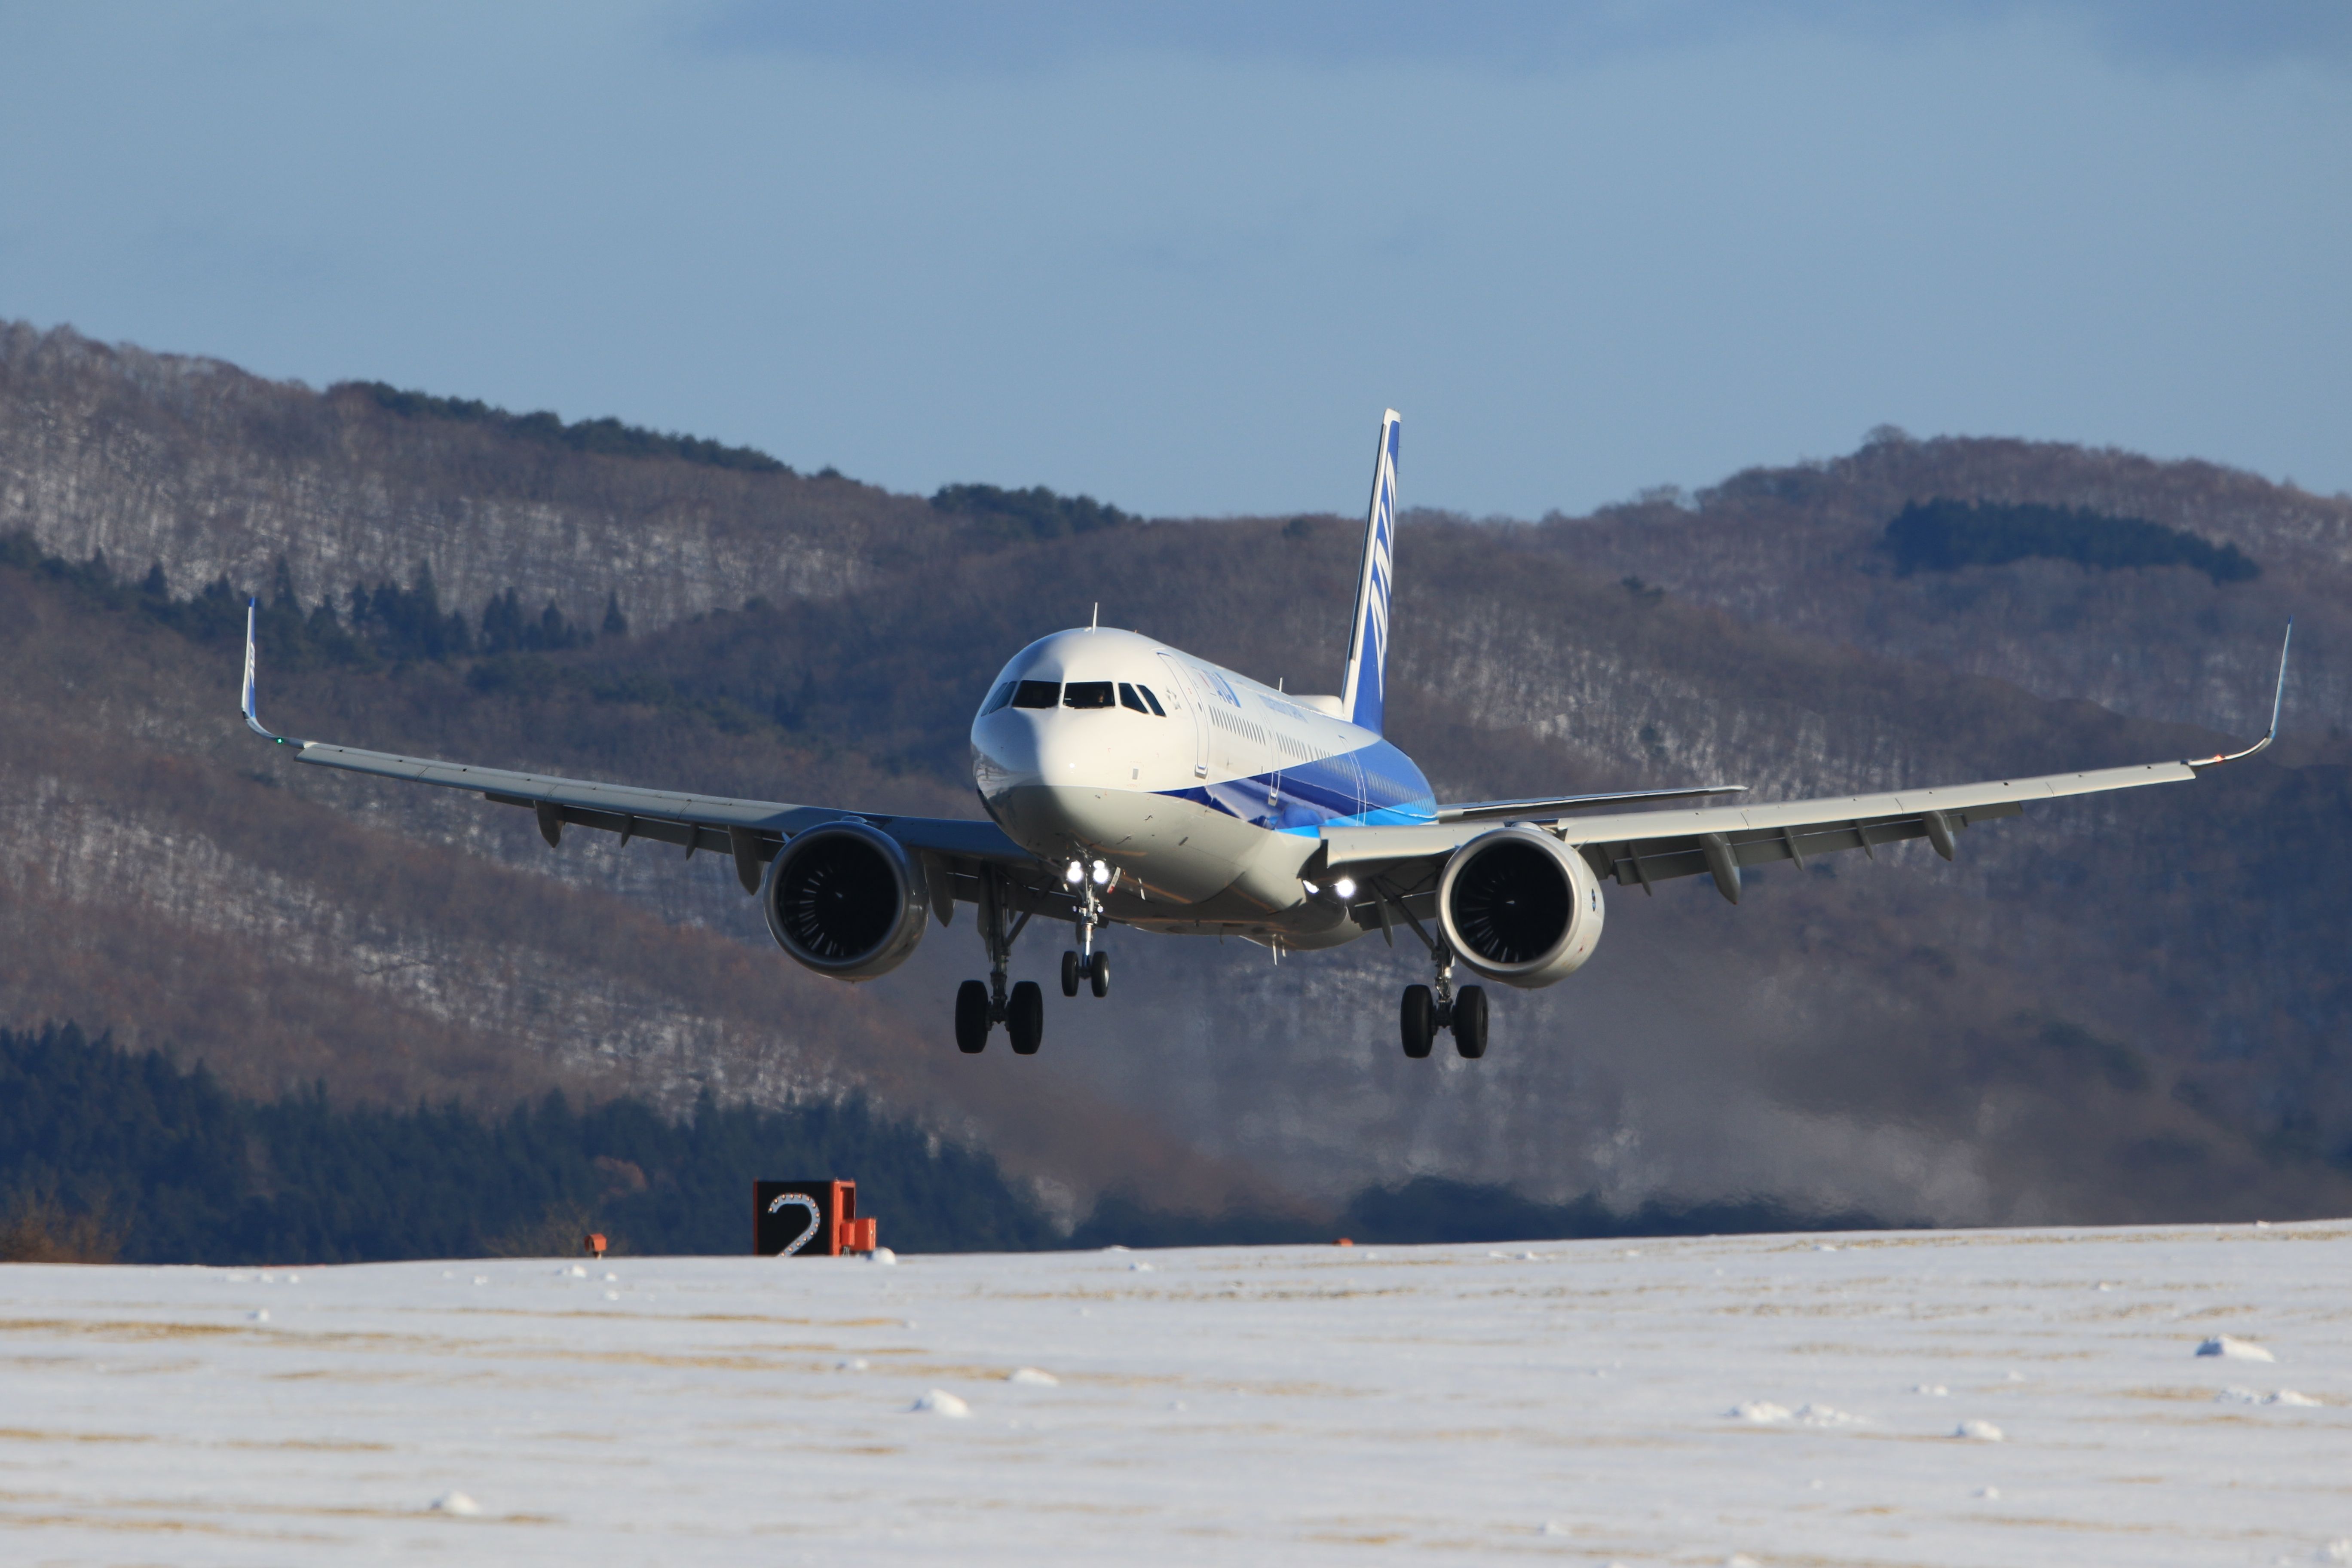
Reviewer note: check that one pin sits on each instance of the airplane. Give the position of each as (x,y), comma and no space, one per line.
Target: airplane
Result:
(1129,783)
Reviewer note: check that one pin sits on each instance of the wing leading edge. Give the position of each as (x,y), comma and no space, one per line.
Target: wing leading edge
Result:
(1647,846)
(753,831)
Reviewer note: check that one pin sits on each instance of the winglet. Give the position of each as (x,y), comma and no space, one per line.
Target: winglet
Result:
(252,718)
(2277,698)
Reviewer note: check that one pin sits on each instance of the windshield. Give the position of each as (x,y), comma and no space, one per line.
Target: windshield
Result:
(1037,694)
(1088,694)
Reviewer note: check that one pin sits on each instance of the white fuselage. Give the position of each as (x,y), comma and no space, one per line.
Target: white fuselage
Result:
(1201,791)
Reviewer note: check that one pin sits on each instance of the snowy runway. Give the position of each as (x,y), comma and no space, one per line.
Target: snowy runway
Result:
(1688,1402)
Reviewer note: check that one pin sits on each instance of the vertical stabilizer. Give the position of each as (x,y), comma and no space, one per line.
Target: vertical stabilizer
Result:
(1363,697)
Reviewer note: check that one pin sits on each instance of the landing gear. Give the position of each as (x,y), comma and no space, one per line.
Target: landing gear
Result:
(1085,964)
(1426,1012)
(980,1007)
(1095,971)
(973,1018)
(1024,1019)
(1470,1022)
(1419,1019)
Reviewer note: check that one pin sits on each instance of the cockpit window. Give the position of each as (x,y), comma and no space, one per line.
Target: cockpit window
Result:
(1086,694)
(997,699)
(1157,710)
(1128,698)
(1037,694)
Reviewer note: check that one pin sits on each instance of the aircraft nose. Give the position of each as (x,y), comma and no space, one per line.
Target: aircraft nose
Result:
(1075,749)
(1004,752)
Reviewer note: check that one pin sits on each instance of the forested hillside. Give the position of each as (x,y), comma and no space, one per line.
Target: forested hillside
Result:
(2127,1007)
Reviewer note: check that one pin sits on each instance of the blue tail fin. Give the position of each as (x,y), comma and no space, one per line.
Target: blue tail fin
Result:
(1363,699)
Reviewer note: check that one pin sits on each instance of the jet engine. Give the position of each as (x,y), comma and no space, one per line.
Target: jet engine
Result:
(1520,907)
(846,899)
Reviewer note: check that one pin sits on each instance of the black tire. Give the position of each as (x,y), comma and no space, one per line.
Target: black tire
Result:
(1024,1019)
(1419,1018)
(1071,972)
(1470,1021)
(972,1017)
(1098,974)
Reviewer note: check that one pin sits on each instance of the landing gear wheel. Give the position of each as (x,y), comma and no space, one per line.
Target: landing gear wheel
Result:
(1419,1016)
(1072,972)
(1098,974)
(972,1017)
(1024,1019)
(1470,1021)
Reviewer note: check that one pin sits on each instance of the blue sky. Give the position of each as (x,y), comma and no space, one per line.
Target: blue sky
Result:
(1180,260)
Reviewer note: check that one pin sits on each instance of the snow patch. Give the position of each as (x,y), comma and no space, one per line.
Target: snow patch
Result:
(1761,1413)
(260,1317)
(1140,1269)
(1034,1377)
(940,1402)
(1980,1431)
(2288,1397)
(2234,1349)
(1823,1415)
(1932,1390)
(456,1504)
(883,1255)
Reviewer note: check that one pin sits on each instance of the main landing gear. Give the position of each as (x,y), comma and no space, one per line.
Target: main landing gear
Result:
(1462,1011)
(981,1007)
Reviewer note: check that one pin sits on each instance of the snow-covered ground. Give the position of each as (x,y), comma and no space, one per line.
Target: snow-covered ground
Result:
(1778,1399)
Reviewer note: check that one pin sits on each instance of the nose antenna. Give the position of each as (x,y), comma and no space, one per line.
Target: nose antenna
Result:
(1095,624)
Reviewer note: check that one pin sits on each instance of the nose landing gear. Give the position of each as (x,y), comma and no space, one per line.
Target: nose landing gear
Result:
(1086,963)
(1092,968)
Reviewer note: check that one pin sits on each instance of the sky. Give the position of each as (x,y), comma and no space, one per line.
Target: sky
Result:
(1180,259)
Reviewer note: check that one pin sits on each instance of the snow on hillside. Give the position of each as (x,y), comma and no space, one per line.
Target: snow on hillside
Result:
(1995,1398)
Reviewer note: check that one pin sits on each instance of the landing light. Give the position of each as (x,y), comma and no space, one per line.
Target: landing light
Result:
(1102,875)
(1311,888)
(1077,873)
(1345,887)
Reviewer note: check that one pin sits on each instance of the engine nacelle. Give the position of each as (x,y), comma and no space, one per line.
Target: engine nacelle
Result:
(847,900)
(1520,907)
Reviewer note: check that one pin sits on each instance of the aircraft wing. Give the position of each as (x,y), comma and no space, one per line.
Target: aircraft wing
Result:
(1641,847)
(750,830)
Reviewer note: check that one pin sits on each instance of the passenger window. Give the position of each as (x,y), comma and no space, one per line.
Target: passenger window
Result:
(1128,698)
(997,699)
(1157,710)
(1087,694)
(1038,694)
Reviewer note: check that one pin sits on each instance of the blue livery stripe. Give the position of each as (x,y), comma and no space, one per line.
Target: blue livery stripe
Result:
(1324,793)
